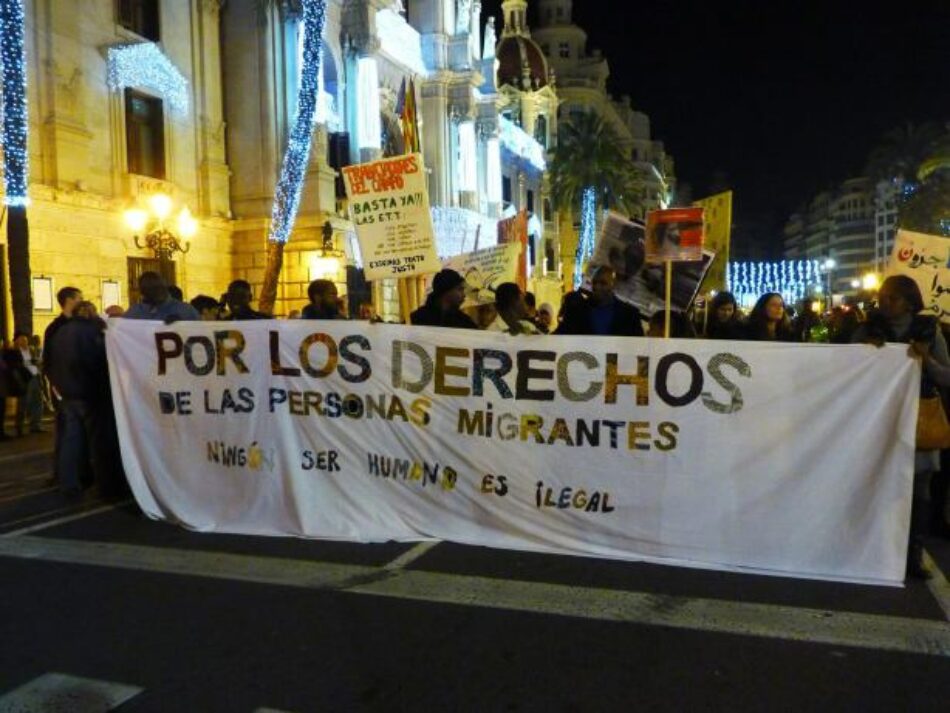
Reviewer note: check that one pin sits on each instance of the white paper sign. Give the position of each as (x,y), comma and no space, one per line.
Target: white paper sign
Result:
(389,203)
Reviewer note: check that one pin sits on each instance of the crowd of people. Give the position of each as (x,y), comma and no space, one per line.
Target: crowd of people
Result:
(70,372)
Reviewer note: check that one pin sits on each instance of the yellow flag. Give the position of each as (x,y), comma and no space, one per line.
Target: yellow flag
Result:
(718,219)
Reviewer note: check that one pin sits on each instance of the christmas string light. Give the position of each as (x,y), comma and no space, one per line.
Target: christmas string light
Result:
(16,158)
(585,246)
(144,65)
(517,141)
(287,194)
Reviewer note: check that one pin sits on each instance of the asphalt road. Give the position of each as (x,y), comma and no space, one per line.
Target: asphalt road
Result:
(102,609)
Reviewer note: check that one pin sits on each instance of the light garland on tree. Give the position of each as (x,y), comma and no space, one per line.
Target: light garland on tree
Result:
(585,245)
(294,168)
(15,155)
(144,65)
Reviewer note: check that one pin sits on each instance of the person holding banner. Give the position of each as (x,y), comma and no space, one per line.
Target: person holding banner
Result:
(512,311)
(324,301)
(724,321)
(768,321)
(443,307)
(600,314)
(898,319)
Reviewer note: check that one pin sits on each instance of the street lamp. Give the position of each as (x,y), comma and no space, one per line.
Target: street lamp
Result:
(151,230)
(871,282)
(827,267)
(326,264)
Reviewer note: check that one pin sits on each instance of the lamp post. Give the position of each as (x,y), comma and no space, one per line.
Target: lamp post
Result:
(151,230)
(828,267)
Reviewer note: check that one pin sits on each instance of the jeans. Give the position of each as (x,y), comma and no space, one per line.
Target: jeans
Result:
(88,447)
(30,405)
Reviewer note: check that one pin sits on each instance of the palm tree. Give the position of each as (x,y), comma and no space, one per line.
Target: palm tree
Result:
(589,172)
(902,150)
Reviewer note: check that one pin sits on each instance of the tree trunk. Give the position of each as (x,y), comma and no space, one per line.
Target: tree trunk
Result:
(275,260)
(18,240)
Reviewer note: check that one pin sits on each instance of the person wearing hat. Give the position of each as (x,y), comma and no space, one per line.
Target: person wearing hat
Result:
(443,307)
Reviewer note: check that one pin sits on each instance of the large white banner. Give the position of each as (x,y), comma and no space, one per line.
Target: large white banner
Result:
(779,459)
(926,260)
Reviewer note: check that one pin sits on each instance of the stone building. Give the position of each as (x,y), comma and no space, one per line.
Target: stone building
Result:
(582,85)
(476,160)
(125,102)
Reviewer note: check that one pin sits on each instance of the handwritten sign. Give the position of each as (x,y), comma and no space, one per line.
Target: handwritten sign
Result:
(926,259)
(484,270)
(389,204)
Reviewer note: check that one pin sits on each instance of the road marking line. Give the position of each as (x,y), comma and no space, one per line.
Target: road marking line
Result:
(59,520)
(937,584)
(407,558)
(62,692)
(867,631)
(25,455)
(27,494)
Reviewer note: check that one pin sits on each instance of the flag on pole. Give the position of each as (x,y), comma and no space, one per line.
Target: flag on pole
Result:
(408,116)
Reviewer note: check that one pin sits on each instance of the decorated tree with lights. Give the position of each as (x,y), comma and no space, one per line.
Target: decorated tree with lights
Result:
(590,172)
(16,161)
(294,168)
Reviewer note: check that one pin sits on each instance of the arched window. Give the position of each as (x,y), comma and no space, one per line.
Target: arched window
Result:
(541,130)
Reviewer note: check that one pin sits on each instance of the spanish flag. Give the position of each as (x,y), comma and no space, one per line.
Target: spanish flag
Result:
(408,117)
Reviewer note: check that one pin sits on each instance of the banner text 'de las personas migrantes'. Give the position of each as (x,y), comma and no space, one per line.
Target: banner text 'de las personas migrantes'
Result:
(794,460)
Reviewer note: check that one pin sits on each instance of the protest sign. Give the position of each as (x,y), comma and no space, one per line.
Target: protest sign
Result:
(674,234)
(484,270)
(389,204)
(717,217)
(926,259)
(723,455)
(515,230)
(621,247)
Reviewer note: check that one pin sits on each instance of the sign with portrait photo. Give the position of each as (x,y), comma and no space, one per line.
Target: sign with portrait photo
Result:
(674,234)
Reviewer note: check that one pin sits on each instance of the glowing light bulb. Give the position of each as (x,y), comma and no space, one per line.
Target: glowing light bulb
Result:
(187,225)
(136,219)
(161,205)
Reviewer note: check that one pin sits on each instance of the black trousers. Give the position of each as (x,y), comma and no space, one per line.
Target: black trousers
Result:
(88,447)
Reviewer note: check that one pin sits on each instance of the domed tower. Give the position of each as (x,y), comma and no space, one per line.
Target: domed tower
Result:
(520,62)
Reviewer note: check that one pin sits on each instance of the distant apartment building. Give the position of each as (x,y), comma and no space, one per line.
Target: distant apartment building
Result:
(839,225)
(885,221)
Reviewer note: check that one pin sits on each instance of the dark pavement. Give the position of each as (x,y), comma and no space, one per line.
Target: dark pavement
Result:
(198,622)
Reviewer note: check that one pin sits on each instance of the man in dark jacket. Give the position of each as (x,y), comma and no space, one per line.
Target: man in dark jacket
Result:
(238,299)
(324,301)
(80,375)
(443,307)
(601,314)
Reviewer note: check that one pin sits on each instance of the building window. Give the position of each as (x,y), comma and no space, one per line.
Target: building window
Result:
(144,134)
(505,190)
(564,49)
(141,17)
(560,12)
(541,131)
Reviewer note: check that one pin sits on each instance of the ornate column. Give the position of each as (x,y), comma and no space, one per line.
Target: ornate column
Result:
(213,172)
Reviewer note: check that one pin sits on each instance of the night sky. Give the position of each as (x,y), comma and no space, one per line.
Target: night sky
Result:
(779,99)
